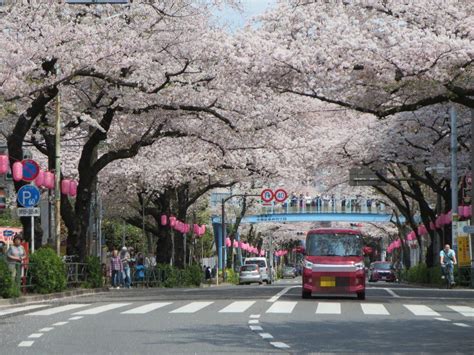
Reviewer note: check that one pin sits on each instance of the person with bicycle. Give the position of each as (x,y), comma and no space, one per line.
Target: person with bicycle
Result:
(447,259)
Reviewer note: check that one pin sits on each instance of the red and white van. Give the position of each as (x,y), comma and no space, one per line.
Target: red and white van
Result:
(334,263)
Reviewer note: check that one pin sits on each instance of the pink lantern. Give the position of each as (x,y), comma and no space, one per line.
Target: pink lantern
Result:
(17,171)
(432,226)
(65,185)
(262,252)
(235,244)
(39,181)
(73,188)
(196,229)
(467,211)
(203,228)
(227,242)
(48,180)
(164,220)
(172,221)
(4,164)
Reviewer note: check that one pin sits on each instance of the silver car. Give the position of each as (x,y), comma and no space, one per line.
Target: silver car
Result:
(249,273)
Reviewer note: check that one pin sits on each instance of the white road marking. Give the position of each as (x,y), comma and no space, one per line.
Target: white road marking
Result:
(58,324)
(442,319)
(35,335)
(374,309)
(101,309)
(253,321)
(421,310)
(55,310)
(328,308)
(76,318)
(462,325)
(391,292)
(281,293)
(147,308)
(464,310)
(21,309)
(281,307)
(279,345)
(255,316)
(193,307)
(237,307)
(47,329)
(255,327)
(25,344)
(266,335)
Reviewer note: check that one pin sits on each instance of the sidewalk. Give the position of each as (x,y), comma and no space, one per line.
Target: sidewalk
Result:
(51,296)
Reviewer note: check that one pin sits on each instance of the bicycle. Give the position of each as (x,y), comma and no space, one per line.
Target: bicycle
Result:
(447,271)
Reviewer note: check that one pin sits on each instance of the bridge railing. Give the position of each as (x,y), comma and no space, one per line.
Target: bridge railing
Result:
(322,205)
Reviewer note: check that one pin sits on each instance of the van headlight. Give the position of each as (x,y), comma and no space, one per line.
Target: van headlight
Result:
(360,266)
(308,265)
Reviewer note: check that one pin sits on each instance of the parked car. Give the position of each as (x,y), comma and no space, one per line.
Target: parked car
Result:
(381,271)
(265,270)
(250,273)
(289,271)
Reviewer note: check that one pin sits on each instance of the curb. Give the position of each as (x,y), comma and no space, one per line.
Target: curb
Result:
(51,296)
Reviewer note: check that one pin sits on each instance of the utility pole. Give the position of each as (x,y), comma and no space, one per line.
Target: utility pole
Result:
(57,185)
(454,177)
(472,197)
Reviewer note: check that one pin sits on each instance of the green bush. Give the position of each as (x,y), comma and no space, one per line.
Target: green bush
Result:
(47,271)
(193,275)
(422,274)
(232,276)
(418,274)
(8,287)
(94,272)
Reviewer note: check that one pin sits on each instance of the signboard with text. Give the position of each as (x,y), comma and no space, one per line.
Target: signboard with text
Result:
(464,251)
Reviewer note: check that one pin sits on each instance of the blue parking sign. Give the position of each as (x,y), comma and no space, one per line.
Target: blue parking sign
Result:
(28,196)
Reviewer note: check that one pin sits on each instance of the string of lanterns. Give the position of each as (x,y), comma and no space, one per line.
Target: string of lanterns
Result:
(182,227)
(44,179)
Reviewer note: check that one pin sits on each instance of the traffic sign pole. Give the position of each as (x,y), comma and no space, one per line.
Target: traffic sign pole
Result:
(32,234)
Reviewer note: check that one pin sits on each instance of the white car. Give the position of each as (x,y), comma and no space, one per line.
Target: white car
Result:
(263,265)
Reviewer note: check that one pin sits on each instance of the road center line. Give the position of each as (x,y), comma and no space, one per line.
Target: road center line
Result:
(266,335)
(25,344)
(281,293)
(391,292)
(279,345)
(35,335)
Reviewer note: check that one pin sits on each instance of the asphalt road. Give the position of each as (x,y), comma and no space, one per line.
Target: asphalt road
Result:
(243,319)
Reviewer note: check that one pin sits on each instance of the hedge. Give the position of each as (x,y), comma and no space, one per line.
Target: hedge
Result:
(422,274)
(8,286)
(47,271)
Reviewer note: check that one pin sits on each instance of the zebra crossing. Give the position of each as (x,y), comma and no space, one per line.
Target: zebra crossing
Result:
(323,308)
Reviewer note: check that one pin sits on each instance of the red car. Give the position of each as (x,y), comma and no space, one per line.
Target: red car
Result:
(334,263)
(381,271)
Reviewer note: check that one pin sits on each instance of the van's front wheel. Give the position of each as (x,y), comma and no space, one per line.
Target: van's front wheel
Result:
(305,294)
(361,295)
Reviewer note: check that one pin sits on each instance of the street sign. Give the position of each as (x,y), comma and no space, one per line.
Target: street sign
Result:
(464,252)
(28,212)
(8,233)
(28,196)
(281,195)
(30,169)
(267,195)
(365,177)
(468,229)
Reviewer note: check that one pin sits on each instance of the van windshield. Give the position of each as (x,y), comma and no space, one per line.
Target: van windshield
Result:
(260,263)
(337,244)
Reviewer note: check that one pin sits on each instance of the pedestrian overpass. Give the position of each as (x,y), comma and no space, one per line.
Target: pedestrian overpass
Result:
(301,212)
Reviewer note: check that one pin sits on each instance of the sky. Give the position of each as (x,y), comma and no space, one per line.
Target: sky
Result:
(236,19)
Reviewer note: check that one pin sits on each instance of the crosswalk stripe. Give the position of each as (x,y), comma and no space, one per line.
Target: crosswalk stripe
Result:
(328,308)
(281,307)
(55,310)
(20,309)
(192,307)
(101,309)
(147,308)
(237,307)
(374,309)
(464,310)
(421,310)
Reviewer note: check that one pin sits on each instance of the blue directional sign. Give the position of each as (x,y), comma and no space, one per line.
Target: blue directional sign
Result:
(28,196)
(8,233)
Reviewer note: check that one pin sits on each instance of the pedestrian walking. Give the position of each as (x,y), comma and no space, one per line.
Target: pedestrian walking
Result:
(208,274)
(116,268)
(125,258)
(15,256)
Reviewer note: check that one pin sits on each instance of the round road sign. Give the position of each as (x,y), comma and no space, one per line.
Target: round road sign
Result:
(281,195)
(267,195)
(30,169)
